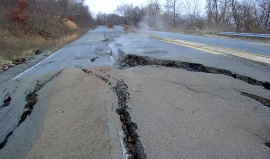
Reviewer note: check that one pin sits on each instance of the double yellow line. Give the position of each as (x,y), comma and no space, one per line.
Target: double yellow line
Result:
(219,50)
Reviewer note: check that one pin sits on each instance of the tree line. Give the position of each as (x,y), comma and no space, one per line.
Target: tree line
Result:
(216,15)
(40,15)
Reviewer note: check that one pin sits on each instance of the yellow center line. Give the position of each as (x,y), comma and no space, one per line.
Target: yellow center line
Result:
(219,50)
(190,46)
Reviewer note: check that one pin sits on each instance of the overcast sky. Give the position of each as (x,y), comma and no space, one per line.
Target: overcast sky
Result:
(109,6)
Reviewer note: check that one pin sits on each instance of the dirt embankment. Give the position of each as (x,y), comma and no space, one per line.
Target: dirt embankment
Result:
(19,46)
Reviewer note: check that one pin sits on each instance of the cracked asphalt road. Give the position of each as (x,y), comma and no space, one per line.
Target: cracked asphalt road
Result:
(182,114)
(178,113)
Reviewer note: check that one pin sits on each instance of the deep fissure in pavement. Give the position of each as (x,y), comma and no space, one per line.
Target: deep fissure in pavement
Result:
(31,99)
(6,101)
(3,143)
(94,59)
(134,60)
(262,100)
(131,139)
(98,76)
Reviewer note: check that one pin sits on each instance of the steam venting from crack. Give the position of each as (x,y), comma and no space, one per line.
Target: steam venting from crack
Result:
(150,22)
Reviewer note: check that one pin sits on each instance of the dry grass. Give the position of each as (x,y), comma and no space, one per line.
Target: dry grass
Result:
(70,24)
(110,25)
(16,42)
(14,47)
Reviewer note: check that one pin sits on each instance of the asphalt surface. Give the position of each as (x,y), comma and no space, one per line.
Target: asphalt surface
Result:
(179,113)
(245,45)
(82,53)
(135,44)
(88,51)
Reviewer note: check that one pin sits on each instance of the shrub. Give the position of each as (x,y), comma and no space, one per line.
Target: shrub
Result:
(110,25)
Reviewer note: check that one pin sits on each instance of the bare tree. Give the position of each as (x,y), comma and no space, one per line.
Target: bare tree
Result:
(193,9)
(104,19)
(153,7)
(236,12)
(266,6)
(172,7)
(251,15)
(218,13)
(131,15)
(125,10)
(153,13)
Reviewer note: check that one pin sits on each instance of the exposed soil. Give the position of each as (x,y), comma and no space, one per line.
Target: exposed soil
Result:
(131,139)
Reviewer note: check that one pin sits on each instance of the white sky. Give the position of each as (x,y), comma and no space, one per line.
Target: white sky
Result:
(109,6)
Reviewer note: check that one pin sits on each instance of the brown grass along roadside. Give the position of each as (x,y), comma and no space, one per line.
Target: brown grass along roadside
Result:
(15,47)
(110,25)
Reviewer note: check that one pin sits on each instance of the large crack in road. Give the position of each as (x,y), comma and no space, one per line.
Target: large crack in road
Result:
(131,139)
(31,99)
(134,60)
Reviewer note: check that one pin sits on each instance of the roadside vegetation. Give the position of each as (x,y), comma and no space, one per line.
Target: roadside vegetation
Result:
(30,26)
(194,16)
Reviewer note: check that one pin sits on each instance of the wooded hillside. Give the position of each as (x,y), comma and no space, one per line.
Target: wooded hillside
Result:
(30,25)
(45,17)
